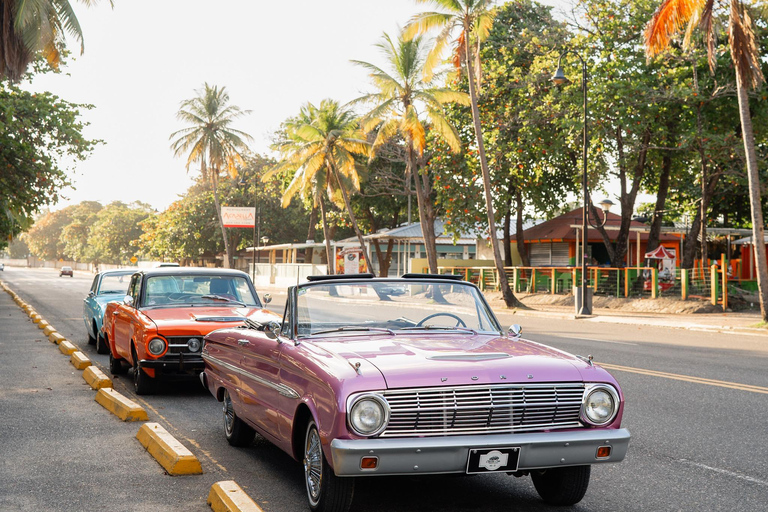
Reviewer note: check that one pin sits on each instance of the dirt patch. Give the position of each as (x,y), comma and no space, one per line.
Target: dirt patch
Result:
(660,305)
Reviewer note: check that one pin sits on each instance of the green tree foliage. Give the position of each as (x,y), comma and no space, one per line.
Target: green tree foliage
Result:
(30,29)
(37,130)
(44,238)
(76,234)
(116,230)
(188,229)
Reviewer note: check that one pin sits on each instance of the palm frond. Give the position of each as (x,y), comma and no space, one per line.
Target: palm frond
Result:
(669,19)
(741,38)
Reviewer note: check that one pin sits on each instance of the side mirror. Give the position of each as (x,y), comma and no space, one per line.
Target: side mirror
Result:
(272,329)
(515,331)
(267,298)
(128,300)
(91,294)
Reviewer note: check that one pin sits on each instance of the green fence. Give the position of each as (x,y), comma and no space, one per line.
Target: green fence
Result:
(635,282)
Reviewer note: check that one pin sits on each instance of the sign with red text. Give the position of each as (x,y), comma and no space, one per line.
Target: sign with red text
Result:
(238,217)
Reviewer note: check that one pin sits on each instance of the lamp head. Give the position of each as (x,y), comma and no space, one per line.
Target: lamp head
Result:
(560,77)
(606,204)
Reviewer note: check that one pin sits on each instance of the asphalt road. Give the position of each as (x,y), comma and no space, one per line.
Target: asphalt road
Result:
(697,407)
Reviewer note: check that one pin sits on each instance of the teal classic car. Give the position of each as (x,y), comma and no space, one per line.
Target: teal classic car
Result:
(107,286)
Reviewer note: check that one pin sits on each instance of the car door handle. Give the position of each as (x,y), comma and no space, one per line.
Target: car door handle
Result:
(243,342)
(114,313)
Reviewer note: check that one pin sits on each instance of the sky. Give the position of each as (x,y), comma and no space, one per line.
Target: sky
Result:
(144,57)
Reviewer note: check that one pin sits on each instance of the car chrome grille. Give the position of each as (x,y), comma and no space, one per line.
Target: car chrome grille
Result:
(469,410)
(178,345)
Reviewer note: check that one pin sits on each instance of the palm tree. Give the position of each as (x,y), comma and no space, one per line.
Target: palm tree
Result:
(473,20)
(395,113)
(669,19)
(28,29)
(324,138)
(211,141)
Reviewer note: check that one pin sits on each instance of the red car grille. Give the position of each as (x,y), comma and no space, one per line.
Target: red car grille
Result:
(483,409)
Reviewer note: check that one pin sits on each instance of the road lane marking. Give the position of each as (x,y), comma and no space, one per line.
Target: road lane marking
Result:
(607,341)
(687,378)
(726,472)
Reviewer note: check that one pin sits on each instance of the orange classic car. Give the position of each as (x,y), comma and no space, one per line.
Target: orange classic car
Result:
(158,327)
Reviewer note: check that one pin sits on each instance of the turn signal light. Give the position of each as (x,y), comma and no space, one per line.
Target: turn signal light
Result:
(369,462)
(603,452)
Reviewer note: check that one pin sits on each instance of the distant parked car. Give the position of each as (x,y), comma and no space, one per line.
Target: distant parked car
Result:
(66,271)
(166,264)
(371,377)
(2,266)
(158,327)
(107,286)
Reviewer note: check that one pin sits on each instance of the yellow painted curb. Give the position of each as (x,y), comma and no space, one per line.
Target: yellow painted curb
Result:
(48,330)
(43,324)
(227,496)
(170,453)
(36,318)
(56,338)
(120,406)
(96,378)
(79,360)
(67,347)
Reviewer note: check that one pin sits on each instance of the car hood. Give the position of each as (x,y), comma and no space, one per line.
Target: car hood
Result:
(459,359)
(196,320)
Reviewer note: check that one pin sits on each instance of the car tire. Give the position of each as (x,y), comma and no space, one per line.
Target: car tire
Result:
(91,339)
(562,486)
(143,384)
(238,433)
(101,344)
(326,492)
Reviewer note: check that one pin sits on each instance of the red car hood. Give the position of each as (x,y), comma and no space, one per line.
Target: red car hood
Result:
(457,359)
(199,321)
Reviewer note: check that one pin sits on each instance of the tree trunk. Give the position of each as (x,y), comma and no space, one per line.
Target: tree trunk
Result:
(384,259)
(368,261)
(227,256)
(661,196)
(519,234)
(758,229)
(507,230)
(509,297)
(689,250)
(329,256)
(309,254)
(426,211)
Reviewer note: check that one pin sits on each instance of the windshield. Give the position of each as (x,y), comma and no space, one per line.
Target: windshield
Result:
(114,283)
(175,290)
(391,306)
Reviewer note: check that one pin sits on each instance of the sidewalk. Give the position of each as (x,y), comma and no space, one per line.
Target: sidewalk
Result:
(742,322)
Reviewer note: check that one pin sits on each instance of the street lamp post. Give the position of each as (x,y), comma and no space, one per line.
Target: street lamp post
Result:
(583,306)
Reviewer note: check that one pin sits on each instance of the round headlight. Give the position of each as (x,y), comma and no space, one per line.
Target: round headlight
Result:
(601,403)
(193,344)
(156,346)
(369,415)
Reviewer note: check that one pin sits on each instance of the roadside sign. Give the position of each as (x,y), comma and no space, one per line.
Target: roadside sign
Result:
(238,217)
(134,259)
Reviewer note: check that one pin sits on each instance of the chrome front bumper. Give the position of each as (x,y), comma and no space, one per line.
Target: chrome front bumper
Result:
(409,456)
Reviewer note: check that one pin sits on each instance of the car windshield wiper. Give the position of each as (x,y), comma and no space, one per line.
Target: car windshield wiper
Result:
(355,328)
(219,297)
(438,328)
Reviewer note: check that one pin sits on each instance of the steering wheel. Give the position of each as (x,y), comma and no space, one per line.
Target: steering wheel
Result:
(459,321)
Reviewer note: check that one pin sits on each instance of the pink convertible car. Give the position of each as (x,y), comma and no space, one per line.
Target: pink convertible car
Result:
(367,377)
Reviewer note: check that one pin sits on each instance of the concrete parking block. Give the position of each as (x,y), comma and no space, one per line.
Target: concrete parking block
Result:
(169,452)
(67,347)
(122,407)
(48,330)
(56,338)
(42,324)
(36,318)
(79,360)
(227,496)
(96,378)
